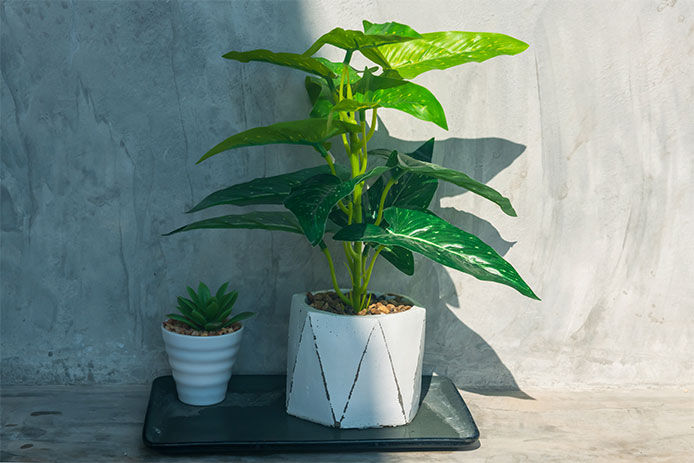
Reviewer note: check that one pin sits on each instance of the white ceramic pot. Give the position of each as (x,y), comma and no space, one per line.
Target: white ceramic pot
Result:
(349,371)
(201,365)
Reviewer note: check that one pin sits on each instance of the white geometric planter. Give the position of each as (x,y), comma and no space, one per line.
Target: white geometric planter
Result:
(201,365)
(350,371)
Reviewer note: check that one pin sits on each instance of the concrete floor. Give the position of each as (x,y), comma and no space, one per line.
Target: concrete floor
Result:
(103,423)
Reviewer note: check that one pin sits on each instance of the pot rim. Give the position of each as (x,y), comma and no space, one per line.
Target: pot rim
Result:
(190,336)
(310,308)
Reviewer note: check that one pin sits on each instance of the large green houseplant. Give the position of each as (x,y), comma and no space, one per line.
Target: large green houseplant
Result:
(375,202)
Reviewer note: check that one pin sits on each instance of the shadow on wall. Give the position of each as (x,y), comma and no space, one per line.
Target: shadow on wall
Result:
(452,348)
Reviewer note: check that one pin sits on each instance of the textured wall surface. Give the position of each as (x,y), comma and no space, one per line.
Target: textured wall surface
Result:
(106,106)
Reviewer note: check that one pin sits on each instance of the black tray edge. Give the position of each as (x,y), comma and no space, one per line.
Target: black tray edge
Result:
(430,444)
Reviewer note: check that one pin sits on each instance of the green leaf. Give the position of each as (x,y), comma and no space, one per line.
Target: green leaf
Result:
(264,190)
(311,132)
(239,317)
(351,106)
(292,60)
(204,293)
(441,242)
(442,50)
(427,169)
(390,28)
(193,295)
(185,306)
(282,221)
(412,191)
(401,95)
(352,40)
(320,97)
(182,319)
(373,53)
(199,319)
(312,201)
(336,68)
(213,326)
(221,291)
(401,258)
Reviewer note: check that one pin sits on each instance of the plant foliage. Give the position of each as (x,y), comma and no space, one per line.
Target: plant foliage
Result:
(207,312)
(373,209)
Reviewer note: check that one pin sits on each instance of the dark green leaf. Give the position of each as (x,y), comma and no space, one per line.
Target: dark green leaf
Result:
(292,60)
(427,169)
(412,191)
(198,318)
(239,317)
(311,132)
(193,295)
(184,320)
(401,258)
(283,221)
(352,40)
(265,190)
(401,95)
(185,306)
(320,97)
(441,242)
(312,201)
(442,50)
(213,326)
(221,291)
(203,293)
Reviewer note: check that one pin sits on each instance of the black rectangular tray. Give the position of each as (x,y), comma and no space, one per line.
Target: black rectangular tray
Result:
(252,418)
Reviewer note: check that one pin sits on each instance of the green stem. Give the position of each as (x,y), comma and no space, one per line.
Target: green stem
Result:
(386,189)
(372,129)
(367,278)
(336,287)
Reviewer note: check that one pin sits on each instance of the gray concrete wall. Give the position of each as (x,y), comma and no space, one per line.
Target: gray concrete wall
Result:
(107,105)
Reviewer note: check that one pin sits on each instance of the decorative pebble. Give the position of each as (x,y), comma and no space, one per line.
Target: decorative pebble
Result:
(331,302)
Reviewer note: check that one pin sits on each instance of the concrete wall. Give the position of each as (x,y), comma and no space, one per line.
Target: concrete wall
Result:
(107,105)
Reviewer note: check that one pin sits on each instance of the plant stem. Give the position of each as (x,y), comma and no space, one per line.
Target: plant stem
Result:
(367,278)
(372,129)
(336,287)
(386,189)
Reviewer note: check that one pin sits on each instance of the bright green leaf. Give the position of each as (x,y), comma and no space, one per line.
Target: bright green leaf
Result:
(442,50)
(352,40)
(401,95)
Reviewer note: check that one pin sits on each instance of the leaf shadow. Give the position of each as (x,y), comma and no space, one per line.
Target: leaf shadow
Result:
(452,348)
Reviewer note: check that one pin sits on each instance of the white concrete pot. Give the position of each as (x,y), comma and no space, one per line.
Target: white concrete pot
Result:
(201,365)
(349,371)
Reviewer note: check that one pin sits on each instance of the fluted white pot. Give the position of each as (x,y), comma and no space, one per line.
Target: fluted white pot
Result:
(201,365)
(349,371)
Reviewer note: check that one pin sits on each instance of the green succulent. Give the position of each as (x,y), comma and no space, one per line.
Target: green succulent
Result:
(204,312)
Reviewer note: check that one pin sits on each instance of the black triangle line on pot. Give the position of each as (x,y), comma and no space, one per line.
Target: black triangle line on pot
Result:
(322,373)
(356,376)
(296,358)
(392,368)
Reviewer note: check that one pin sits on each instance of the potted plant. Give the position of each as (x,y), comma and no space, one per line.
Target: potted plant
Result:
(202,342)
(364,371)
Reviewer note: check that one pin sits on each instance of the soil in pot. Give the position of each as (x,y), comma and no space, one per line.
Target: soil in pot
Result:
(181,328)
(383,304)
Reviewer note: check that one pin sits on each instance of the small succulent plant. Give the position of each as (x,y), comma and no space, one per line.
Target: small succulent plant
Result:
(204,312)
